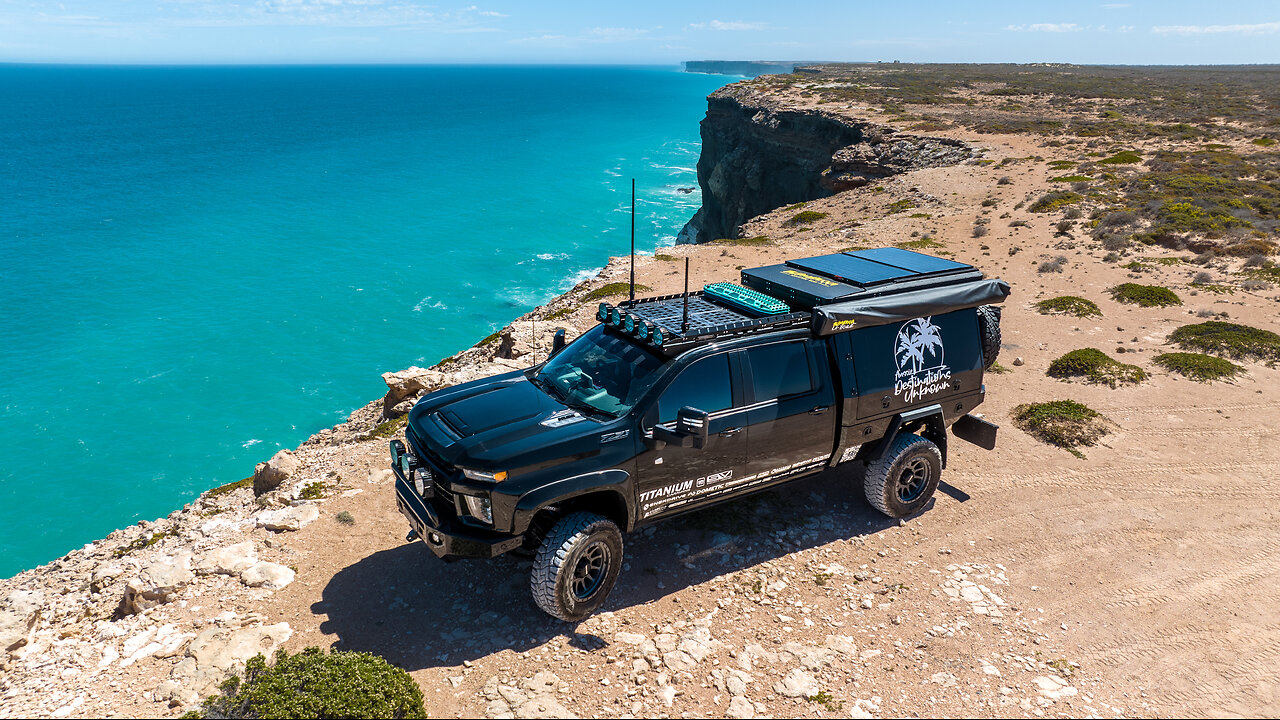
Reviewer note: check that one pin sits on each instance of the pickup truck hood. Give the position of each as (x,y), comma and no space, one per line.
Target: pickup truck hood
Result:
(499,423)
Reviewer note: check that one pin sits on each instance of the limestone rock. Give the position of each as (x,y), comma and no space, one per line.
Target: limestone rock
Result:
(220,650)
(408,384)
(269,475)
(741,708)
(798,684)
(230,560)
(289,518)
(18,615)
(267,575)
(157,584)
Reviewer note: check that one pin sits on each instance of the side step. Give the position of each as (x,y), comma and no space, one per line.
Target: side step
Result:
(977,431)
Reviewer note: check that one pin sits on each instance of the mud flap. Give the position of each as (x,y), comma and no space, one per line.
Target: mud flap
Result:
(977,431)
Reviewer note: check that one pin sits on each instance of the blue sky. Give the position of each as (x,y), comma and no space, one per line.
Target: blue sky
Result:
(644,31)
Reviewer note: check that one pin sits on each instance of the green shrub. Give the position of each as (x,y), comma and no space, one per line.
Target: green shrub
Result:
(1095,366)
(611,289)
(1071,178)
(1198,367)
(1264,142)
(898,206)
(1229,339)
(1065,423)
(1069,305)
(664,257)
(1124,157)
(805,217)
(560,314)
(923,243)
(1054,201)
(388,428)
(312,684)
(757,241)
(1144,295)
(345,518)
(229,487)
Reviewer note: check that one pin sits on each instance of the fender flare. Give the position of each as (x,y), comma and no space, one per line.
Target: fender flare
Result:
(935,425)
(614,481)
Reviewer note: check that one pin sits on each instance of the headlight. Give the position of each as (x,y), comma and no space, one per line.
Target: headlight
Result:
(479,508)
(397,449)
(482,475)
(404,465)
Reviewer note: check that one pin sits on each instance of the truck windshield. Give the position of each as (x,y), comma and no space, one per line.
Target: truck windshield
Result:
(600,371)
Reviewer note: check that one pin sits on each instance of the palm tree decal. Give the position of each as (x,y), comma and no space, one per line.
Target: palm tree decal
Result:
(914,340)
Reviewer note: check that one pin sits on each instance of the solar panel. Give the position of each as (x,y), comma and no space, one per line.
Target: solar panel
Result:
(851,268)
(913,262)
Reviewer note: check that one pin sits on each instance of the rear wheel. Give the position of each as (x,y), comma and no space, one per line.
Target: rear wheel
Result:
(576,566)
(989,328)
(901,483)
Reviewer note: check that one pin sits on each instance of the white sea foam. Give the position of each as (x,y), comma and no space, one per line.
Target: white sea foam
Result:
(423,303)
(250,443)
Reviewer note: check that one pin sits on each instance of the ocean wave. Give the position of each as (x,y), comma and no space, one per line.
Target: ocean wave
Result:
(250,443)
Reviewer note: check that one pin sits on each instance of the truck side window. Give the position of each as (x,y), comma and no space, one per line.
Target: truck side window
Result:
(703,385)
(778,370)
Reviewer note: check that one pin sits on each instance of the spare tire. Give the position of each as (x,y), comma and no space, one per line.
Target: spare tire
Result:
(989,329)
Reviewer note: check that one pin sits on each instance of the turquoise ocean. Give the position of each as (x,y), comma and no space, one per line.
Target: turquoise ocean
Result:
(199,266)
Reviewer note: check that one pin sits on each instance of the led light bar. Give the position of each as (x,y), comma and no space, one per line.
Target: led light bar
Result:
(746,298)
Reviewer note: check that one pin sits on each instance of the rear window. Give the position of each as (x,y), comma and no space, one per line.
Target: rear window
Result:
(779,370)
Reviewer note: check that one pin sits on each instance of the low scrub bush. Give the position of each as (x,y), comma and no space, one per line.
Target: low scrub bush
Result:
(757,241)
(1095,366)
(1124,157)
(1229,339)
(313,684)
(980,230)
(1064,423)
(1197,366)
(805,217)
(1055,265)
(1055,201)
(924,243)
(1144,295)
(1069,305)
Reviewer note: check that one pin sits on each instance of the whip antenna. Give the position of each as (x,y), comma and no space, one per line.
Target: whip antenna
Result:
(633,240)
(684,322)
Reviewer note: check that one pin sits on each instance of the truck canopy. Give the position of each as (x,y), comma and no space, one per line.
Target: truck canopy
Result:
(828,294)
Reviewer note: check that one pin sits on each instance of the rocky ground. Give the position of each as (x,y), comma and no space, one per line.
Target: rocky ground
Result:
(1140,579)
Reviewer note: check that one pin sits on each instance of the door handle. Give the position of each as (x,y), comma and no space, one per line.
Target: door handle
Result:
(818,410)
(730,432)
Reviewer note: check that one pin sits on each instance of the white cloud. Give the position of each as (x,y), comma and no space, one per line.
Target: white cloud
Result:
(731,25)
(1046,27)
(1266,28)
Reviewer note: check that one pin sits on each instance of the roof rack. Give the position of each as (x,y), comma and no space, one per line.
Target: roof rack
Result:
(660,321)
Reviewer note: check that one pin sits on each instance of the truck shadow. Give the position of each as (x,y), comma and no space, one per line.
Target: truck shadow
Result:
(419,612)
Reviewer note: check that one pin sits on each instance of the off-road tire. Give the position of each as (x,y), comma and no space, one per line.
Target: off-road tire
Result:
(561,581)
(902,482)
(989,329)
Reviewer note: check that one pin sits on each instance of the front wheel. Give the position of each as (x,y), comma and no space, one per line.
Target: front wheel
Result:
(577,566)
(901,483)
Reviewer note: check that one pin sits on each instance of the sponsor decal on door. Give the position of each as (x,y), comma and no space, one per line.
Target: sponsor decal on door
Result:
(920,356)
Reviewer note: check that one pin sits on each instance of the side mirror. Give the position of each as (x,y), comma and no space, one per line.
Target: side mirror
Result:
(691,429)
(694,423)
(557,343)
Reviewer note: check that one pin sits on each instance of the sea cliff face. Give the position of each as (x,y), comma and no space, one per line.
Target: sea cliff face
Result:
(758,155)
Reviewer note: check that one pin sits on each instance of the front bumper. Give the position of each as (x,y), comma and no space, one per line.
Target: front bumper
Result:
(447,537)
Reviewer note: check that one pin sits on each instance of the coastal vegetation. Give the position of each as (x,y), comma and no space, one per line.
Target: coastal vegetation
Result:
(1198,366)
(1228,339)
(611,289)
(315,684)
(804,217)
(1064,423)
(1069,305)
(1095,366)
(757,241)
(1144,295)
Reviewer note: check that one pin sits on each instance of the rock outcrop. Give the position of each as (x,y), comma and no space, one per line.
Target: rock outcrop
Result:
(759,154)
(271,474)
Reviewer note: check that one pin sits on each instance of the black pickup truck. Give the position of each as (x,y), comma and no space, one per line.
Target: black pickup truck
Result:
(670,404)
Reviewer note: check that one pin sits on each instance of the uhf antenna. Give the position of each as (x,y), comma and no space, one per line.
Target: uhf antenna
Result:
(633,240)
(684,322)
